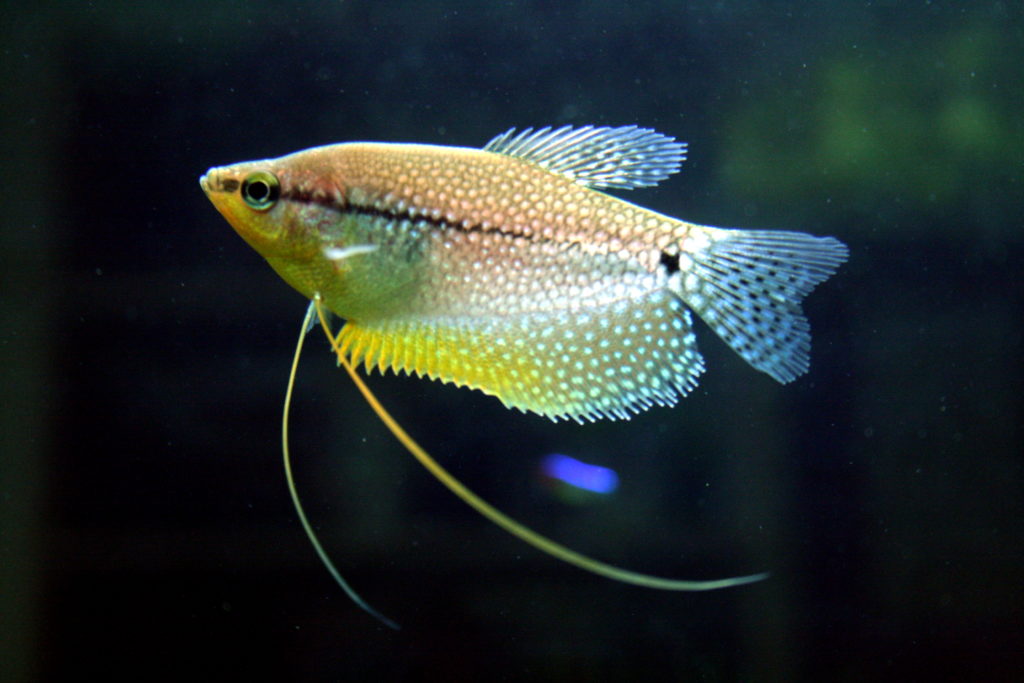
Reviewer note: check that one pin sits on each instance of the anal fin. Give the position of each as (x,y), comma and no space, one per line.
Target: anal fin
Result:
(608,361)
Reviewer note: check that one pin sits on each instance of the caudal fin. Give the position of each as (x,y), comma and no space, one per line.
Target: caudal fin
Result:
(747,285)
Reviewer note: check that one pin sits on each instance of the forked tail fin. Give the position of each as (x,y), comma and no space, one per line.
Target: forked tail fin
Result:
(747,285)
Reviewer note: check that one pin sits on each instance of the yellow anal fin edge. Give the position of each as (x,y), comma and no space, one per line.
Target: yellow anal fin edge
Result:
(607,360)
(510,525)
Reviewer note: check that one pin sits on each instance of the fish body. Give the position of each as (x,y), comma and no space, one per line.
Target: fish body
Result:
(508,269)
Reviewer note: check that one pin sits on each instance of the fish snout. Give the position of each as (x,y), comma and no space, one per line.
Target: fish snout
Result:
(216,180)
(208,180)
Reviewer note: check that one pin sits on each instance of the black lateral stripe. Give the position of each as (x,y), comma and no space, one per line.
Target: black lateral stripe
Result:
(306,197)
(329,202)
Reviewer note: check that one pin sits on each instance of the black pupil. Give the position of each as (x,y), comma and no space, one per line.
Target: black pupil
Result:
(258,190)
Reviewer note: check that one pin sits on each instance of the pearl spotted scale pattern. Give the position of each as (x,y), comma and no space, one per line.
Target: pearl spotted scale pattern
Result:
(564,333)
(505,269)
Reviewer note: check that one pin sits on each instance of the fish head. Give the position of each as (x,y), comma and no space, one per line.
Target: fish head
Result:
(291,210)
(248,195)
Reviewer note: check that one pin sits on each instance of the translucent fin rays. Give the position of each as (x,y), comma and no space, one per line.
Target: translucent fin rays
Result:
(510,525)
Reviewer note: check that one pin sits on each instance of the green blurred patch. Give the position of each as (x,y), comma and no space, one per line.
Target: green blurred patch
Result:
(929,123)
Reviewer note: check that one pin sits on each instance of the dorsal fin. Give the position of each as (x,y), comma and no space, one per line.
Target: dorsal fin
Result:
(622,158)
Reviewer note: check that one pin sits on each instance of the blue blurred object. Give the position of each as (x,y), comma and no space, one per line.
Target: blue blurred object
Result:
(580,474)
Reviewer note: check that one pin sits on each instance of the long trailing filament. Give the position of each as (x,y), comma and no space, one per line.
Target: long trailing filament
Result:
(307,527)
(501,519)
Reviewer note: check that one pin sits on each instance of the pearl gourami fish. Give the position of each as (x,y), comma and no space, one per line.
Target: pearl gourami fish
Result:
(509,270)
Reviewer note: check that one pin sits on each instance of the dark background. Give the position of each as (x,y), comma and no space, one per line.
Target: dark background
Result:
(146,529)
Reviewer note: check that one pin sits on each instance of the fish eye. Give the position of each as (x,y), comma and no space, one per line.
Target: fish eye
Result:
(260,190)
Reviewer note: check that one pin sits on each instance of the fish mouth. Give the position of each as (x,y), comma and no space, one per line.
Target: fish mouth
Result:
(207,180)
(218,180)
